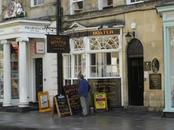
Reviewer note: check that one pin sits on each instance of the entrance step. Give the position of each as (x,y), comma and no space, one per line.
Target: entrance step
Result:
(137,108)
(34,106)
(15,109)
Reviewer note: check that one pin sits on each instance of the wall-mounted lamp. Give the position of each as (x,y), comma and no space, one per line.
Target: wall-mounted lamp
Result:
(129,36)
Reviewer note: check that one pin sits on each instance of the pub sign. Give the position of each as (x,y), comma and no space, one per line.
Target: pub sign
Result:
(58,44)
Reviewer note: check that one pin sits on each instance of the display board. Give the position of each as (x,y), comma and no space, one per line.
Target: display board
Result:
(62,106)
(44,102)
(100,101)
(72,93)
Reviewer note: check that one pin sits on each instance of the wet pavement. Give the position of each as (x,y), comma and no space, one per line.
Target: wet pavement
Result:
(114,120)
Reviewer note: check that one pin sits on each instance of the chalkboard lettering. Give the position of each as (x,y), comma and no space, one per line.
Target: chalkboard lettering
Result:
(72,93)
(62,106)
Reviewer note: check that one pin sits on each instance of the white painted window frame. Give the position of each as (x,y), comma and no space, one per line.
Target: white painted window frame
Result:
(129,2)
(72,5)
(102,4)
(87,53)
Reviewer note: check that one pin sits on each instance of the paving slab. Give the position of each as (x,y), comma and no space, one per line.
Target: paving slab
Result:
(113,120)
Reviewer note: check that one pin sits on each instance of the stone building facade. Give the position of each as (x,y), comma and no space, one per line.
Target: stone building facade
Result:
(165,10)
(24,58)
(139,81)
(116,44)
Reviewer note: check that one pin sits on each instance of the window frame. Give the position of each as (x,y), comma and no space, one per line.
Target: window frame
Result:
(102,4)
(73,4)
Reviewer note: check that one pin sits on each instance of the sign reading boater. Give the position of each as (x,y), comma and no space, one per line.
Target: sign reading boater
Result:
(58,44)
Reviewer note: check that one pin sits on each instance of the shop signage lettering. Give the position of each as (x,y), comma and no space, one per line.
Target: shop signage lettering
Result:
(57,44)
(103,32)
(96,33)
(34,29)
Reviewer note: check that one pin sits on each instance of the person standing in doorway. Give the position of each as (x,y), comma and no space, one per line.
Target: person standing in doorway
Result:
(83,92)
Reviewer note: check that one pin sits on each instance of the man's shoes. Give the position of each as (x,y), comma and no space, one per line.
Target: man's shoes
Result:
(82,115)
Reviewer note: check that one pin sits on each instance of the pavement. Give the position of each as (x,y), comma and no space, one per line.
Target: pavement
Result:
(112,120)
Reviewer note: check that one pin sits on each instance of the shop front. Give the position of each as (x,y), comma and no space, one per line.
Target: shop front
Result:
(97,54)
(167,13)
(23,61)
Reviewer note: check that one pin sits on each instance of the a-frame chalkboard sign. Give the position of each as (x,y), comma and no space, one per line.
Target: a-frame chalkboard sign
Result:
(61,106)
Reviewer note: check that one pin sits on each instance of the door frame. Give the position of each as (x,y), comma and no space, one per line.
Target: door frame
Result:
(33,77)
(35,87)
(135,50)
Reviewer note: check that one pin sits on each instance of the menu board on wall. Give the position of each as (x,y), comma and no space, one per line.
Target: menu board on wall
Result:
(72,94)
(112,88)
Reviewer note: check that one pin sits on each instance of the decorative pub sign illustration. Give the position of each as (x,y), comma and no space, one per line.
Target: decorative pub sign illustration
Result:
(58,44)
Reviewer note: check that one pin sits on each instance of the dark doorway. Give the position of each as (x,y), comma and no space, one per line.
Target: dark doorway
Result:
(39,76)
(135,72)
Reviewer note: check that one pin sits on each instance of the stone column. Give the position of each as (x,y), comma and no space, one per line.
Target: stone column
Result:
(7,73)
(23,94)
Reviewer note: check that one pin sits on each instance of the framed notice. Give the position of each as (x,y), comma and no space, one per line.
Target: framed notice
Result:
(40,48)
(44,102)
(100,101)
(155,81)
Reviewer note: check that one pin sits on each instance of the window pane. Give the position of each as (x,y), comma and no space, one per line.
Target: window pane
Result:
(135,0)
(80,64)
(108,55)
(110,2)
(93,64)
(67,66)
(35,2)
(104,64)
(104,43)
(38,2)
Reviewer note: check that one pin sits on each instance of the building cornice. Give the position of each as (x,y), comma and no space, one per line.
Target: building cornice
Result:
(23,21)
(149,5)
